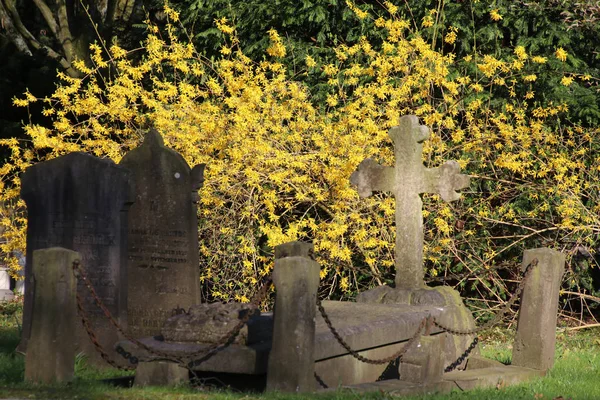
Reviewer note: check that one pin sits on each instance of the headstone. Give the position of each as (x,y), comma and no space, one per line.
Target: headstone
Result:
(407,180)
(292,359)
(536,327)
(5,292)
(163,267)
(50,354)
(80,202)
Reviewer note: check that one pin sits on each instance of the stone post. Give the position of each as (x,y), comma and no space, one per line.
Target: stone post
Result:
(291,361)
(51,348)
(536,328)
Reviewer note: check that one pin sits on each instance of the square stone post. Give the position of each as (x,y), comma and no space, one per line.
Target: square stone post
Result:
(50,354)
(291,361)
(536,327)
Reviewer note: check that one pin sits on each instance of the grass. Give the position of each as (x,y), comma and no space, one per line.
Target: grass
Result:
(574,376)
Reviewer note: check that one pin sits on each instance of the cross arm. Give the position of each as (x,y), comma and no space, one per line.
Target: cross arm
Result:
(446,180)
(370,177)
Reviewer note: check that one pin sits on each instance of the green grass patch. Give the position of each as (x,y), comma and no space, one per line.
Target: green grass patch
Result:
(574,376)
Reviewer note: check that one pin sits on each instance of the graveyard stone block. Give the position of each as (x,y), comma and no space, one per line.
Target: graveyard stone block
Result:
(424,361)
(80,202)
(160,373)
(50,354)
(292,360)
(162,235)
(535,340)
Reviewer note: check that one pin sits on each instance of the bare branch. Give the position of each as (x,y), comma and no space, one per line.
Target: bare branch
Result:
(64,35)
(48,16)
(12,32)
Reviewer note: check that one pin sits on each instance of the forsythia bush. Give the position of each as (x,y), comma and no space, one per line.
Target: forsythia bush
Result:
(279,161)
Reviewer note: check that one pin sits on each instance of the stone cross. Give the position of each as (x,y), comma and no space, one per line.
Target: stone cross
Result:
(407,180)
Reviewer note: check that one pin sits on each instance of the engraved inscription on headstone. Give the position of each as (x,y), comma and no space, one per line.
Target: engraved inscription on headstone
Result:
(163,235)
(80,202)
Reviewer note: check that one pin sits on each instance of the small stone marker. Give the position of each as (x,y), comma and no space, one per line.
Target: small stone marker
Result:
(5,292)
(50,354)
(407,180)
(535,340)
(292,361)
(163,266)
(79,202)
(160,373)
(424,363)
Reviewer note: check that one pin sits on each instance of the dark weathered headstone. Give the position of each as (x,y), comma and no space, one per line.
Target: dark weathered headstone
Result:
(536,328)
(292,358)
(163,271)
(80,202)
(50,354)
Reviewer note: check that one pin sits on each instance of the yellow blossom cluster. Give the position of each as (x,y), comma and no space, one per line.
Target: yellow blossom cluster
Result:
(279,160)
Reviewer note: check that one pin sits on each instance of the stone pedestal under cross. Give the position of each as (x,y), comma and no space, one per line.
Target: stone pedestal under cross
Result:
(407,180)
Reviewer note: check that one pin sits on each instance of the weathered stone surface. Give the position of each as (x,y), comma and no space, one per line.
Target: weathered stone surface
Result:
(456,315)
(292,357)
(479,362)
(235,358)
(5,292)
(424,361)
(208,323)
(162,236)
(160,373)
(407,180)
(535,340)
(50,354)
(461,380)
(491,377)
(80,202)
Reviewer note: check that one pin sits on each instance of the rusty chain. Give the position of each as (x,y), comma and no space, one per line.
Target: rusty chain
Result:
(94,338)
(423,323)
(463,356)
(355,354)
(206,353)
(228,338)
(499,314)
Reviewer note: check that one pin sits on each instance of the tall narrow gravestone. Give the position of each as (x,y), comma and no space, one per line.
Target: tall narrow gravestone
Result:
(79,202)
(162,251)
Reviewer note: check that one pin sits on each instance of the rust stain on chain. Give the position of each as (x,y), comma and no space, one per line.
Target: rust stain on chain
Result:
(204,354)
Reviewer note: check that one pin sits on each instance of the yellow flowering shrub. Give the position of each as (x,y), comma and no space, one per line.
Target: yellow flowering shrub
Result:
(279,161)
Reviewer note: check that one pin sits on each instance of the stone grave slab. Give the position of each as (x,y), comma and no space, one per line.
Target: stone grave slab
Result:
(497,376)
(79,202)
(163,272)
(372,329)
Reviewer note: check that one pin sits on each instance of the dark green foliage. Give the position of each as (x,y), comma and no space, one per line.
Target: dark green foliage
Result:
(315,27)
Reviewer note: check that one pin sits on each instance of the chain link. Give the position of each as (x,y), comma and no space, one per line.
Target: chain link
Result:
(206,353)
(463,356)
(355,354)
(499,314)
(94,338)
(321,382)
(229,337)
